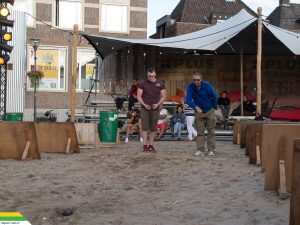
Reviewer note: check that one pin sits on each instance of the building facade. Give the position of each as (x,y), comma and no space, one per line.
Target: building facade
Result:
(52,22)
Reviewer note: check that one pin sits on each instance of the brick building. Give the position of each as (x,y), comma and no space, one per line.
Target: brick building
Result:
(52,22)
(286,16)
(193,15)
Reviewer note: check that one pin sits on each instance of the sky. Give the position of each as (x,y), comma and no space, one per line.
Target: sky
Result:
(160,8)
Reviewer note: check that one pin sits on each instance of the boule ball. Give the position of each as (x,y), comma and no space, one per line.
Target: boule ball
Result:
(67,212)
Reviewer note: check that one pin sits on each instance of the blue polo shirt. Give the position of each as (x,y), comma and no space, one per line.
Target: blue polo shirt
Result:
(205,97)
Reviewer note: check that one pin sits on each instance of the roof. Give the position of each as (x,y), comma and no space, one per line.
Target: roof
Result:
(222,38)
(196,11)
(286,17)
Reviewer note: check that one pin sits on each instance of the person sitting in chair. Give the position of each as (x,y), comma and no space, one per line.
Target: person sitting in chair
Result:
(120,95)
(249,107)
(132,94)
(224,104)
(179,121)
(134,123)
(162,124)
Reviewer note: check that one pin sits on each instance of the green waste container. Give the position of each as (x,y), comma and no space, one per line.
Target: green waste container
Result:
(14,116)
(108,126)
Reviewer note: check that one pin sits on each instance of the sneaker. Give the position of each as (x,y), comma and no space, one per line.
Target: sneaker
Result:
(151,148)
(141,140)
(210,153)
(199,153)
(126,140)
(145,148)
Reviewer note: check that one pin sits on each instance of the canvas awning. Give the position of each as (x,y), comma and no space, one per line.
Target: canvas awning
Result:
(223,38)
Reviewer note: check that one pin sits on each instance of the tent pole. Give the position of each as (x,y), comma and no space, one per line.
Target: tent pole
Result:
(258,65)
(74,72)
(242,77)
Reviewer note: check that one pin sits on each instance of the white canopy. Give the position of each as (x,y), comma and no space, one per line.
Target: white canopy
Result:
(222,38)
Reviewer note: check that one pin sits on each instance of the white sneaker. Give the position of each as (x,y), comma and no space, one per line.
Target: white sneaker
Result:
(211,153)
(126,140)
(141,140)
(199,153)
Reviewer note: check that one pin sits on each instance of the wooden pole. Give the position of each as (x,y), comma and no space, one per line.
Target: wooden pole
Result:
(242,78)
(74,72)
(258,65)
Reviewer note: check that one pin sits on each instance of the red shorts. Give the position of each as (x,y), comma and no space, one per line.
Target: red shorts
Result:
(161,126)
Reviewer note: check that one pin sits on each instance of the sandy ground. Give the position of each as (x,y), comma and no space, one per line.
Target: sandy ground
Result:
(124,186)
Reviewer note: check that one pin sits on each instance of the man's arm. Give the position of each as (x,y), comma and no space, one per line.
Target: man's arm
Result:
(214,96)
(161,100)
(189,98)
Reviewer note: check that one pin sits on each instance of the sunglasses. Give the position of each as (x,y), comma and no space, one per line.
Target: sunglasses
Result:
(196,79)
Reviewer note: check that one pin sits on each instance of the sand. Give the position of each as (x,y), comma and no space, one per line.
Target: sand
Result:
(124,186)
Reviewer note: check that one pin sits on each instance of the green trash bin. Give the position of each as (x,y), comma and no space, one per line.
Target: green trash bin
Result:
(108,126)
(14,116)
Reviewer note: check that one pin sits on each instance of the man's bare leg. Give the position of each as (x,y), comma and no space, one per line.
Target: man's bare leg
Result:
(152,135)
(128,130)
(145,137)
(161,133)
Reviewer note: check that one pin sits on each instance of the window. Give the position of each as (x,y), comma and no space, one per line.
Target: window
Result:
(114,18)
(86,59)
(68,13)
(25,6)
(52,61)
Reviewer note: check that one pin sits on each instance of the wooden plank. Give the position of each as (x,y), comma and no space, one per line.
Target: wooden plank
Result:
(13,140)
(96,137)
(295,193)
(270,153)
(250,141)
(257,147)
(243,136)
(236,127)
(52,137)
(68,146)
(25,152)
(118,141)
(282,147)
(282,180)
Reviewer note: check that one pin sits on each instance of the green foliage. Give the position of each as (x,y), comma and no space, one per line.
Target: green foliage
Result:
(35,76)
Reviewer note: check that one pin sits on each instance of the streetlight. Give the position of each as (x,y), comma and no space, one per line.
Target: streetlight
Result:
(35,42)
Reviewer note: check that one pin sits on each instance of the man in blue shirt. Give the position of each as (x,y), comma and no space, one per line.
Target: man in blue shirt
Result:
(202,97)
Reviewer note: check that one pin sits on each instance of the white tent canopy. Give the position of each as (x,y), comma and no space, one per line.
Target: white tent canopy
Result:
(222,38)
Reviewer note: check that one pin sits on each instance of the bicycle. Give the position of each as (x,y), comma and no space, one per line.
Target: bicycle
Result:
(51,116)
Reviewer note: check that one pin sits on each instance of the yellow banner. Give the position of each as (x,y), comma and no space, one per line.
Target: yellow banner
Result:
(47,61)
(10,214)
(89,69)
